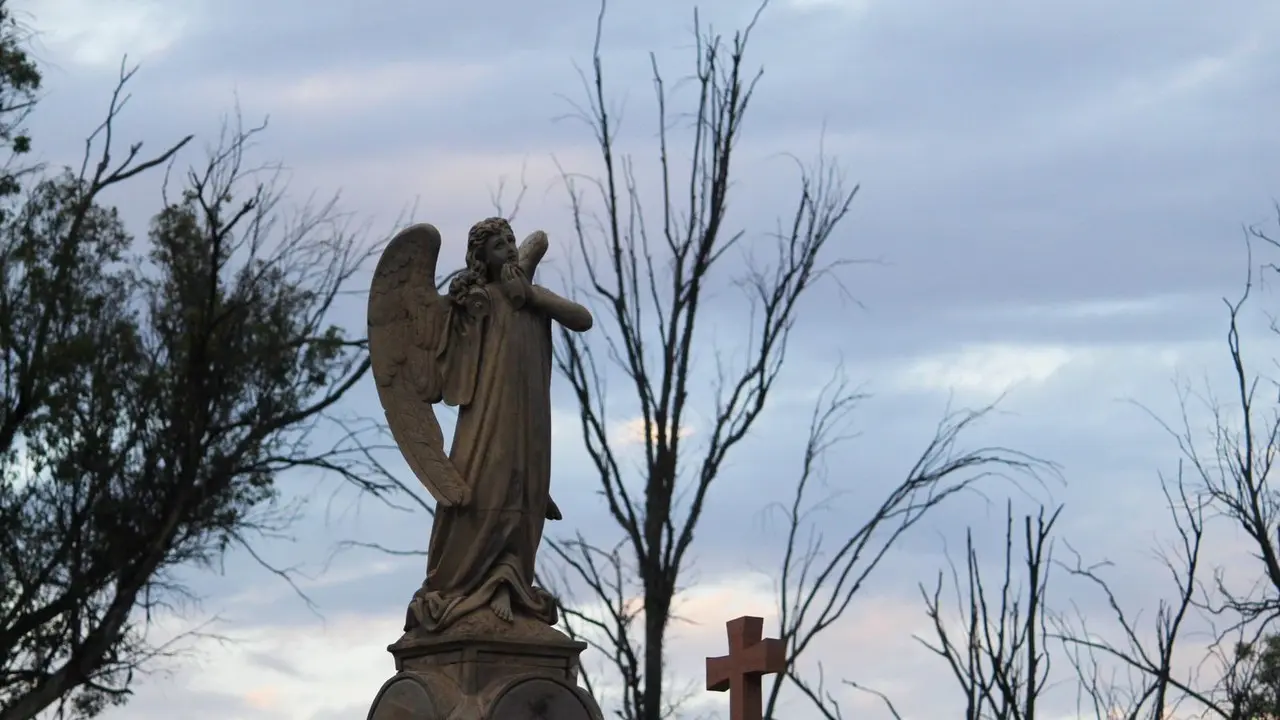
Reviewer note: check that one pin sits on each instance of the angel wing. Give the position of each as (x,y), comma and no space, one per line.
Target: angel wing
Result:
(408,331)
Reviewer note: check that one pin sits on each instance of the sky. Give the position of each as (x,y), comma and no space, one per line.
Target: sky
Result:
(1052,193)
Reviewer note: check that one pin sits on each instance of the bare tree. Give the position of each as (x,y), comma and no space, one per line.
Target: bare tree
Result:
(149,402)
(649,278)
(1234,477)
(998,655)
(1143,672)
(820,580)
(1229,481)
(649,266)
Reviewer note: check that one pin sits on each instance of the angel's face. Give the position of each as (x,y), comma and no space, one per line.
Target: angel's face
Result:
(499,250)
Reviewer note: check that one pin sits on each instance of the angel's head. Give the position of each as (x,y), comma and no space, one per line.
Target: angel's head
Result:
(491,248)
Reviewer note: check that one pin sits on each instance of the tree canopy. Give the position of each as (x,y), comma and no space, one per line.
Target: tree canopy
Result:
(152,390)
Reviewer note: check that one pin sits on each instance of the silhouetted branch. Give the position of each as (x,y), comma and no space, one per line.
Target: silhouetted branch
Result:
(647,266)
(998,657)
(819,580)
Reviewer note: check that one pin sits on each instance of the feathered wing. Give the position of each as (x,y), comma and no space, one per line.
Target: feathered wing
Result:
(408,337)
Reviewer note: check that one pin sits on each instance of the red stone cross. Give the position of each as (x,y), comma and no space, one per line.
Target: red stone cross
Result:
(740,671)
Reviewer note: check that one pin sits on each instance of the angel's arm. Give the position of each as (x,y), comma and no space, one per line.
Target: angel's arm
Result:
(531,252)
(566,312)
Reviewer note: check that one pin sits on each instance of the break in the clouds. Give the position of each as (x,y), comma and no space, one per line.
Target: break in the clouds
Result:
(1052,195)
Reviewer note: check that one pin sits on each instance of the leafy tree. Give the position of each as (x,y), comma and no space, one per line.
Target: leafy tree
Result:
(19,83)
(151,394)
(1254,693)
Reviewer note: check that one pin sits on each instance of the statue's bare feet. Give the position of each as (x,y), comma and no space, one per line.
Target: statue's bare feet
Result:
(500,603)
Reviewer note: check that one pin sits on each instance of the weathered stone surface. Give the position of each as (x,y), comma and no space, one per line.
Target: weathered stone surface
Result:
(409,697)
(479,641)
(540,699)
(476,656)
(486,348)
(470,672)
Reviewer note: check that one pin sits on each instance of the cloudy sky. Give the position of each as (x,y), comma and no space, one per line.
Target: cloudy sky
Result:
(1053,192)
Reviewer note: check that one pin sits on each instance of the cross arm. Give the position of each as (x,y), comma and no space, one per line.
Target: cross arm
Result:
(765,657)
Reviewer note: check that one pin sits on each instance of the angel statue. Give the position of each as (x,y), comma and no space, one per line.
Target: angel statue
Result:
(485,347)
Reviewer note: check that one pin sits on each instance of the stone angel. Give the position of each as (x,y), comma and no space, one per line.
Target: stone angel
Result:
(485,347)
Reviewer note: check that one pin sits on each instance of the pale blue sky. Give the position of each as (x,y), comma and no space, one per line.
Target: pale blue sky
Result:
(1055,191)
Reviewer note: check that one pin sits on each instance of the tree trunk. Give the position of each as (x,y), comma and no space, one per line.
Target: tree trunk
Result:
(657,608)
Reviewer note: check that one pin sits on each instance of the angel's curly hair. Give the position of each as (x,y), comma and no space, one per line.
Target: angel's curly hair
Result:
(475,273)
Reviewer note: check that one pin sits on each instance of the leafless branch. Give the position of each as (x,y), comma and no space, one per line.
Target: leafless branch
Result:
(648,269)
(818,582)
(1162,687)
(496,196)
(999,658)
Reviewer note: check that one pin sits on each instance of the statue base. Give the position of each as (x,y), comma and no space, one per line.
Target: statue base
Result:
(484,669)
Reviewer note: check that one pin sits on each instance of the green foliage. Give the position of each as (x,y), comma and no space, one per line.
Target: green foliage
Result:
(1255,693)
(19,83)
(152,391)
(149,403)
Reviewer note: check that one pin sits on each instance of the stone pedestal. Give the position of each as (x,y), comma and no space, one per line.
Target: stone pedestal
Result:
(483,669)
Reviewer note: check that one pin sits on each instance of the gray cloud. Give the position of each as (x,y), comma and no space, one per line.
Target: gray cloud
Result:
(1006,158)
(1064,183)
(194,704)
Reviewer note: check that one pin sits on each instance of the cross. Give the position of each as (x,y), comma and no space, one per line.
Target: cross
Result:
(741,670)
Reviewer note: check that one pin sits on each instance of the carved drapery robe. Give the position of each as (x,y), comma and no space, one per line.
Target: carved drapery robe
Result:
(497,366)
